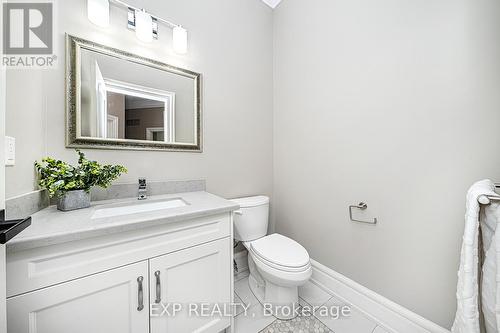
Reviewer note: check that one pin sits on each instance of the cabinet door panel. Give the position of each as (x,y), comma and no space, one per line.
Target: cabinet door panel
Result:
(200,274)
(102,303)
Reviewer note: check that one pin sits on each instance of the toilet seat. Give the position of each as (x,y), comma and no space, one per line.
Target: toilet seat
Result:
(281,253)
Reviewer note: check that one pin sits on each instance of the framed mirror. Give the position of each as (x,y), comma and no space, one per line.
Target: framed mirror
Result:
(118,100)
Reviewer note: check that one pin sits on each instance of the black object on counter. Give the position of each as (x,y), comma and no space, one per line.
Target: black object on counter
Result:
(10,229)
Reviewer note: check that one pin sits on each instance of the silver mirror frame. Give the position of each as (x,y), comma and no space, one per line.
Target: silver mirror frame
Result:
(73,101)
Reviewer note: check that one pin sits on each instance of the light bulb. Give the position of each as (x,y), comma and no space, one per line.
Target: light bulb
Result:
(98,12)
(143,26)
(180,40)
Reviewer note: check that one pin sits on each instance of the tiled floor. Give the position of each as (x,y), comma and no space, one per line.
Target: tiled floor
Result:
(311,295)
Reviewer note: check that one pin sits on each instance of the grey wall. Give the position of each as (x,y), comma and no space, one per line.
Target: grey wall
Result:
(395,103)
(230,44)
(26,120)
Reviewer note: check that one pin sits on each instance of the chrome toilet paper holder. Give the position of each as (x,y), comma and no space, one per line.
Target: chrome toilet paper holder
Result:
(361,206)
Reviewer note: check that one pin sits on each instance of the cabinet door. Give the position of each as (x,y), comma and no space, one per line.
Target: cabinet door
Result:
(102,303)
(196,276)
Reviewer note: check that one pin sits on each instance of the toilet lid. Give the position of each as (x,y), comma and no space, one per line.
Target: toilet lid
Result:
(281,250)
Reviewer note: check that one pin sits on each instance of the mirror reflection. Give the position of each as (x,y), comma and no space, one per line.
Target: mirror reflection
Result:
(125,100)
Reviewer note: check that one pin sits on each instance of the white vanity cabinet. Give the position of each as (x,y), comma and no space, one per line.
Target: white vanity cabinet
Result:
(111,283)
(101,303)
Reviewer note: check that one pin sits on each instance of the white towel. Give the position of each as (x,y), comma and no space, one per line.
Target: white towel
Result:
(490,221)
(467,316)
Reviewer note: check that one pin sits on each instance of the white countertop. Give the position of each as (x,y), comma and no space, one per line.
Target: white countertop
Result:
(50,226)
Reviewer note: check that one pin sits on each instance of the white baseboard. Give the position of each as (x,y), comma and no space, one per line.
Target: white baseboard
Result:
(391,316)
(241,260)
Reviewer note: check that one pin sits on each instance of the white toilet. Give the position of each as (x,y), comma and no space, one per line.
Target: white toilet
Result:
(278,265)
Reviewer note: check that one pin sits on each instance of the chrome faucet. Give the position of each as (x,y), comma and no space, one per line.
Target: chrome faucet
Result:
(143,191)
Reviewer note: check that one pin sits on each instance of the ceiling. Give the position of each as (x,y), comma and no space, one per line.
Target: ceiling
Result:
(272,3)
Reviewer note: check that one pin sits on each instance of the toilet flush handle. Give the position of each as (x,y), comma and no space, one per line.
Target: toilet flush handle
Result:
(238,212)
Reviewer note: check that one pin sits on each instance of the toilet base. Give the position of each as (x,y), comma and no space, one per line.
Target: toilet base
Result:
(280,302)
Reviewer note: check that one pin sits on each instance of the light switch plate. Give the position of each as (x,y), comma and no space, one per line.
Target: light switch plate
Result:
(10,151)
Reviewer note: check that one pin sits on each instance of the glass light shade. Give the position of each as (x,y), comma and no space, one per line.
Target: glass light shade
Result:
(143,26)
(180,40)
(98,12)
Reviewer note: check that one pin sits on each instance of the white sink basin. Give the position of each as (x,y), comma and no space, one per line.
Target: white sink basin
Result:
(140,207)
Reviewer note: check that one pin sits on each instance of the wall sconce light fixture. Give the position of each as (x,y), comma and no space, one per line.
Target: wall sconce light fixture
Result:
(179,40)
(143,26)
(144,23)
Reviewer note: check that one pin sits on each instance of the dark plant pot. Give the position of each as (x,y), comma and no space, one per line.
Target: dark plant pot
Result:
(73,200)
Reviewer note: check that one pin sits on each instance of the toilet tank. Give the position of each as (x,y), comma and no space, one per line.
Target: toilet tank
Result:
(252,219)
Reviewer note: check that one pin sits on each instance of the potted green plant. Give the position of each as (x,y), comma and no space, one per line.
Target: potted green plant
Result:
(71,184)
